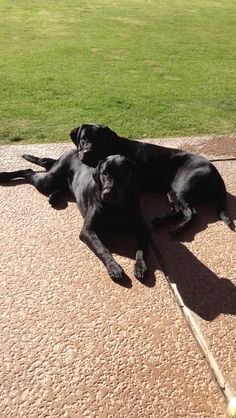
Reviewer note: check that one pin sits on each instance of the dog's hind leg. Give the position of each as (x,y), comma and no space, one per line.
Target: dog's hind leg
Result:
(44,162)
(188,215)
(180,206)
(45,184)
(10,175)
(175,214)
(166,218)
(221,200)
(191,185)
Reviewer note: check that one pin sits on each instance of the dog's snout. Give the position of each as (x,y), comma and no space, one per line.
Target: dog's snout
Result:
(85,154)
(107,191)
(108,194)
(87,150)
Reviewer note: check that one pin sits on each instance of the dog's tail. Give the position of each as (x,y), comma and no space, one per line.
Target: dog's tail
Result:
(46,163)
(221,201)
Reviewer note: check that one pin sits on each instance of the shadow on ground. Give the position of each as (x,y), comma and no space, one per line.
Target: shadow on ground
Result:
(201,289)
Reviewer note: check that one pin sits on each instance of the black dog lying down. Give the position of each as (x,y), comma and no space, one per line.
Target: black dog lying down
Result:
(106,196)
(186,178)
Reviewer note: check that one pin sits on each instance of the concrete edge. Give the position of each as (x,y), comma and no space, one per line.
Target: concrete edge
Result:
(195,330)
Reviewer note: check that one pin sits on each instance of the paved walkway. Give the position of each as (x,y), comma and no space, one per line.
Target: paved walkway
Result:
(74,344)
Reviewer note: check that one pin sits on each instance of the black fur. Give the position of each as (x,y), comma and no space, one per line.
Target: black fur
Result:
(106,196)
(186,178)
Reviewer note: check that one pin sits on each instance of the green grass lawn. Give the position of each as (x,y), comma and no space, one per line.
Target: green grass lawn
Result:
(143,67)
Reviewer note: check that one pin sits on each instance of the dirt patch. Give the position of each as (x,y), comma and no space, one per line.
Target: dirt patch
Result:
(220,146)
(217,146)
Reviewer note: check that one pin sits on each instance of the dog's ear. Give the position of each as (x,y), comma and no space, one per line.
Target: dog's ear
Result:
(75,134)
(96,174)
(109,133)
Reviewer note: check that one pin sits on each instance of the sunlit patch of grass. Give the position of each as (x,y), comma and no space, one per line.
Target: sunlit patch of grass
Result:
(145,68)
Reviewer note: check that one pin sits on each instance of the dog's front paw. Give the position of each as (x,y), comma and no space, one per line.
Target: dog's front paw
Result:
(231,225)
(140,269)
(54,198)
(116,272)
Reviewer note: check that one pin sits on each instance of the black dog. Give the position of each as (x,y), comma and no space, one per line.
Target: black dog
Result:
(186,178)
(106,196)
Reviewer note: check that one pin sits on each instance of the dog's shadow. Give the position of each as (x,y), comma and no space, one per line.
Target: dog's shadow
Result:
(120,243)
(201,289)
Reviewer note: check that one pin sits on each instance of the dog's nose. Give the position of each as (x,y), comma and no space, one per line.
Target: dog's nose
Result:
(107,195)
(85,155)
(87,150)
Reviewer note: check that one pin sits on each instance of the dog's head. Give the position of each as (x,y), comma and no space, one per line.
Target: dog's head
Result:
(116,179)
(94,142)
